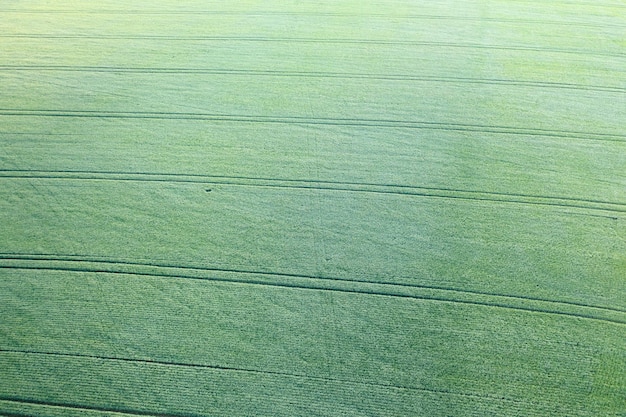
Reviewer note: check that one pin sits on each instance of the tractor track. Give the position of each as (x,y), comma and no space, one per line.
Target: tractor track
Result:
(50,262)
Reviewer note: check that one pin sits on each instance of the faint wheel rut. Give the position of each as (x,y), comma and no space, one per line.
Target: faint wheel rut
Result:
(522,303)
(322,121)
(340,186)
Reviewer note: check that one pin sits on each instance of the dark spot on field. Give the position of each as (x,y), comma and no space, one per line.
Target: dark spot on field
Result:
(208,190)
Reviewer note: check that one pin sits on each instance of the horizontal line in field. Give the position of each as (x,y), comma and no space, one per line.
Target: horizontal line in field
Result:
(301,120)
(310,74)
(155,362)
(78,407)
(68,263)
(85,408)
(319,41)
(303,14)
(396,189)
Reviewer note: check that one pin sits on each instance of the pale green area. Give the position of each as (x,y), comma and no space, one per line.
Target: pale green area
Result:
(397,208)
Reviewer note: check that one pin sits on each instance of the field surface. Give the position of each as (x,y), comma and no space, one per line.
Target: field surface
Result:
(329,208)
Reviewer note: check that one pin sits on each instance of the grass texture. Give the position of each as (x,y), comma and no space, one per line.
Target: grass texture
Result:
(330,208)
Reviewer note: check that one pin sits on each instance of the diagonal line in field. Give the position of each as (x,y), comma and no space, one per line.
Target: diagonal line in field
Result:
(344,186)
(301,120)
(348,41)
(155,362)
(352,14)
(81,407)
(312,74)
(311,282)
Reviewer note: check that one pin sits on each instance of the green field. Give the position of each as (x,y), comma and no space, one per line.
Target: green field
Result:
(329,208)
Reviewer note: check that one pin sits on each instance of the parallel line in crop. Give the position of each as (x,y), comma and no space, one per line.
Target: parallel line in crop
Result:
(342,186)
(356,41)
(310,74)
(340,381)
(83,408)
(301,120)
(272,13)
(312,282)
(106,260)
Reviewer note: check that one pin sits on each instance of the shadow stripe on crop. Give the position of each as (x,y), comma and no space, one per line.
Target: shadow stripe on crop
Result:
(311,74)
(348,41)
(312,282)
(339,381)
(302,120)
(392,189)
